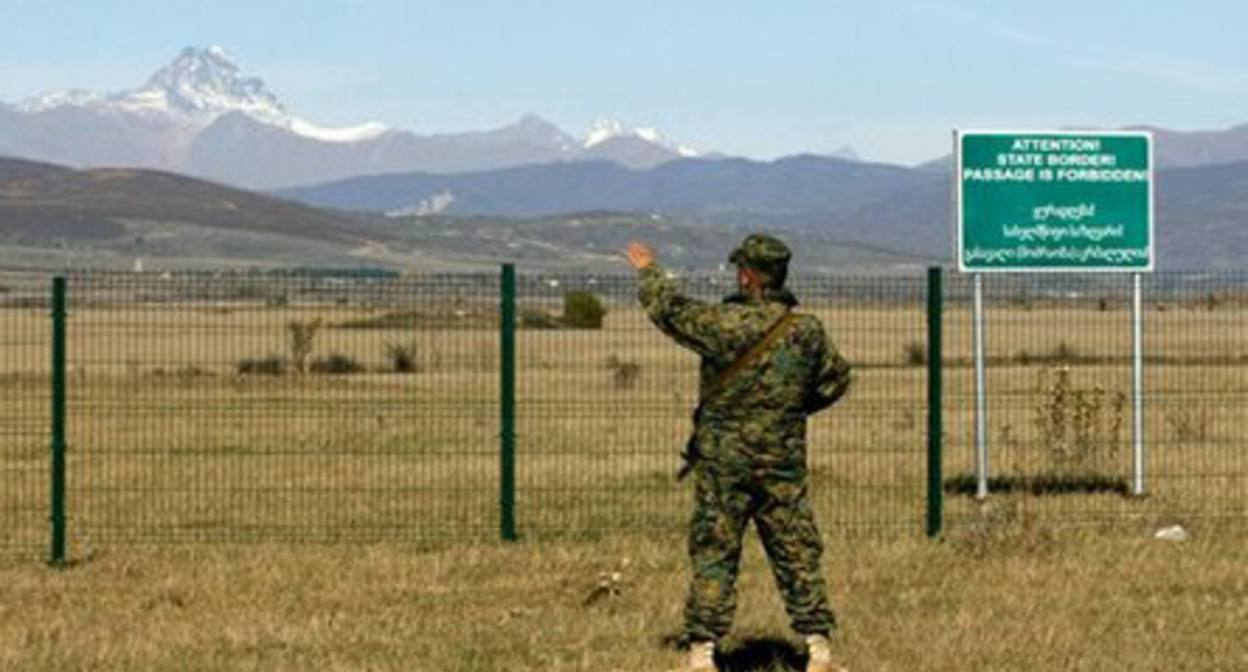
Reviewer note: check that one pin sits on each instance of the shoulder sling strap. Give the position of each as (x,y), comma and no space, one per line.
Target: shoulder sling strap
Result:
(692,451)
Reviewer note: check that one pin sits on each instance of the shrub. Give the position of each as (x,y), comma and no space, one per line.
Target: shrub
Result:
(1080,427)
(1064,352)
(623,374)
(336,364)
(273,365)
(190,371)
(302,340)
(915,353)
(1210,301)
(1189,423)
(582,310)
(536,318)
(402,357)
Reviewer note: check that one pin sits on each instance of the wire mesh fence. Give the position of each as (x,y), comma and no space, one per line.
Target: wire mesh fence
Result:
(1058,393)
(212,407)
(24,411)
(281,408)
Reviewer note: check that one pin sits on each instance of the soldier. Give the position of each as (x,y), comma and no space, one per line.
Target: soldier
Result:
(764,370)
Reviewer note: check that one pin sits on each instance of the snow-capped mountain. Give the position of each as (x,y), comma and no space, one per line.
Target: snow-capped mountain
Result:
(197,88)
(203,115)
(55,99)
(605,130)
(201,85)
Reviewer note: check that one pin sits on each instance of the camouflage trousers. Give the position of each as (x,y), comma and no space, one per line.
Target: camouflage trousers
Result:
(724,505)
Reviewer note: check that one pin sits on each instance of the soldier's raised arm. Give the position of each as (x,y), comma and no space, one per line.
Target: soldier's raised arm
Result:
(692,323)
(832,379)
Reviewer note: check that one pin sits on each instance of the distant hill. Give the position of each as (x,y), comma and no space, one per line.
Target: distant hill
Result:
(111,217)
(1188,149)
(53,216)
(39,201)
(874,205)
(1202,217)
(833,197)
(1202,211)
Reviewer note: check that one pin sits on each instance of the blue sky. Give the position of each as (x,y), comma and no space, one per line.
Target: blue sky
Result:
(890,78)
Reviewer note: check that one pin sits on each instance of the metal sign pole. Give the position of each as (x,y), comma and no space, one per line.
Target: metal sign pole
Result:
(981,404)
(1137,386)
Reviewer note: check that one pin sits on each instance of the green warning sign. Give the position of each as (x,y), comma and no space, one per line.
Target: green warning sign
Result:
(1054,201)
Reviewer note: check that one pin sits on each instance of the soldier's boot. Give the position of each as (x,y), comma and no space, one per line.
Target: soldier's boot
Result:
(821,655)
(701,658)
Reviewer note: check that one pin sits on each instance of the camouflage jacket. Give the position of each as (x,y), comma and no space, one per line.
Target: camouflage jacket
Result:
(758,418)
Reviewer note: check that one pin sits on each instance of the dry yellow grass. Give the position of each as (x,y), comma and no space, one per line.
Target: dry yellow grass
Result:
(168,443)
(1002,596)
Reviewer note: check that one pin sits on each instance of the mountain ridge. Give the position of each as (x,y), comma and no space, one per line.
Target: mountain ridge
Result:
(173,120)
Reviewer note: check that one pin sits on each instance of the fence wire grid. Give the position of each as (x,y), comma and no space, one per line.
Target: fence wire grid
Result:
(236,407)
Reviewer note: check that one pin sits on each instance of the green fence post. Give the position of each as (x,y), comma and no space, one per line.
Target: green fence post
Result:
(507,475)
(935,417)
(59,314)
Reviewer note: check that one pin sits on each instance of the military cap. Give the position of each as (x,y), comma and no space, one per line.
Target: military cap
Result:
(762,252)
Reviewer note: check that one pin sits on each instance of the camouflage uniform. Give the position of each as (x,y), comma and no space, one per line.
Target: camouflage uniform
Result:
(752,439)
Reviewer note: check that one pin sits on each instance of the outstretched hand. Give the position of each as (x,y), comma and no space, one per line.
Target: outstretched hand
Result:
(640,255)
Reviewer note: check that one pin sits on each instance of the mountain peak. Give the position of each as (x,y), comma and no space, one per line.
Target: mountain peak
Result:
(845,153)
(535,125)
(605,129)
(534,130)
(531,119)
(602,130)
(206,83)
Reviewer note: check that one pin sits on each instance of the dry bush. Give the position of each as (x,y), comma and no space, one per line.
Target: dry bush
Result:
(336,364)
(914,353)
(402,356)
(302,339)
(536,318)
(1189,423)
(624,374)
(273,365)
(1080,428)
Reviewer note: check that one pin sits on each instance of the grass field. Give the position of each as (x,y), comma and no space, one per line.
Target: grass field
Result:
(1000,595)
